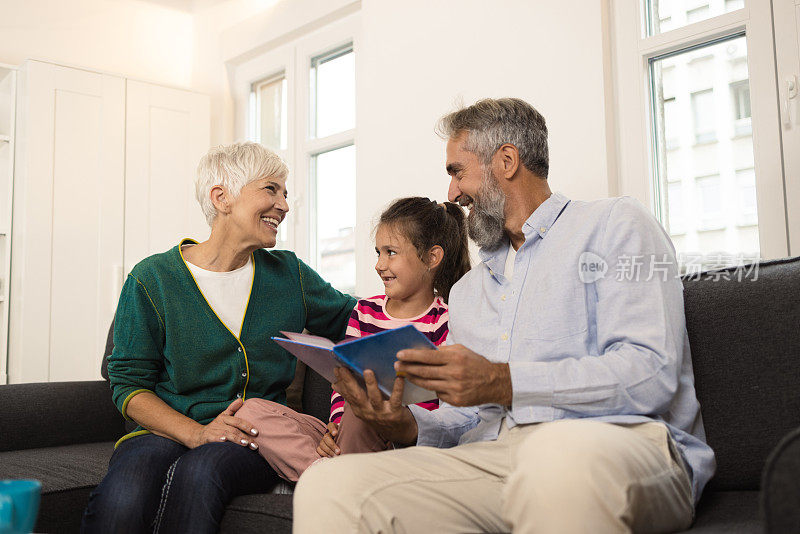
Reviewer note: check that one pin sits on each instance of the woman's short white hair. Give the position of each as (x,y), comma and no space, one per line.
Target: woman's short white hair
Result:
(233,167)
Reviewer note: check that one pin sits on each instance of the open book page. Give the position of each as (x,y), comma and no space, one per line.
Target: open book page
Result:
(308,339)
(319,358)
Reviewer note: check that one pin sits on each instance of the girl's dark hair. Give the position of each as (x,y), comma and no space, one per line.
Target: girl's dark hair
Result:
(426,223)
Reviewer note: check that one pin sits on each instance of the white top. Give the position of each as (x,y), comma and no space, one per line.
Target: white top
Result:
(509,268)
(227,293)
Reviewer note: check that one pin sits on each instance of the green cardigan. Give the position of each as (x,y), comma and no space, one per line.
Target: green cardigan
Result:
(169,341)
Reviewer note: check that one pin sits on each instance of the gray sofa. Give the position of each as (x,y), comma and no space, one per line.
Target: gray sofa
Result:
(745,339)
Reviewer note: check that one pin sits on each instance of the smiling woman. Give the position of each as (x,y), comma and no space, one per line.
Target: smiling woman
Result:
(191,342)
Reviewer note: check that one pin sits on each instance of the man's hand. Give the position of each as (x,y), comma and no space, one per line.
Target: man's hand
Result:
(226,427)
(458,375)
(327,445)
(390,419)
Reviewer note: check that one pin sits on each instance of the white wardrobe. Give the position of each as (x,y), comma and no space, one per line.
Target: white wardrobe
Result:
(103,178)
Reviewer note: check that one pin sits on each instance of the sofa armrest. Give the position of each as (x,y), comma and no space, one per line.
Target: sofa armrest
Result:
(780,486)
(57,413)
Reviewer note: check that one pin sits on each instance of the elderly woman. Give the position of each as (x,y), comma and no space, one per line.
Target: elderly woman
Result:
(192,341)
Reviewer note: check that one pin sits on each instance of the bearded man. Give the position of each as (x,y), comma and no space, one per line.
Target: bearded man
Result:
(567,385)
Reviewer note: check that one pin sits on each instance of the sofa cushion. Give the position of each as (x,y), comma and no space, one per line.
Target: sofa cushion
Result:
(57,413)
(727,512)
(744,336)
(59,468)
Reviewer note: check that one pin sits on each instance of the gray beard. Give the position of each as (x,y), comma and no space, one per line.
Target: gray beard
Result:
(486,219)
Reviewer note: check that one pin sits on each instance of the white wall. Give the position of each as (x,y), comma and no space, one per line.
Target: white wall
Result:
(135,38)
(417,58)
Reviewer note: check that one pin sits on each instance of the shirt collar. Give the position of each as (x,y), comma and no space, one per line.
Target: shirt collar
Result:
(545,216)
(539,222)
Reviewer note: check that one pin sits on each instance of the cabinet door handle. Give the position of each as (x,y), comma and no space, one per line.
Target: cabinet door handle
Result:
(790,102)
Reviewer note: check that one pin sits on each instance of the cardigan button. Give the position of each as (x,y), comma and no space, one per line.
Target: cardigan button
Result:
(244,374)
(238,395)
(239,349)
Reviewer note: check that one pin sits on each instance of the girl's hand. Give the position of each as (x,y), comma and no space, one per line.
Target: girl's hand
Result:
(226,427)
(327,445)
(389,418)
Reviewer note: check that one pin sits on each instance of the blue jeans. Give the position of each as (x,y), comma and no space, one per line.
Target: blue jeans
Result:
(154,484)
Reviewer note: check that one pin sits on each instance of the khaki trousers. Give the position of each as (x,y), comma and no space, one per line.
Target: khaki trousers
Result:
(560,477)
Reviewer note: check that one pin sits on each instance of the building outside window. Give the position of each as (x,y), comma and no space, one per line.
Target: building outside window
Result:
(696,82)
(705,147)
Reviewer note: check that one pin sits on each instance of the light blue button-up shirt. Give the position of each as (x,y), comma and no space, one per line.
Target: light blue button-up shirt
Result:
(591,325)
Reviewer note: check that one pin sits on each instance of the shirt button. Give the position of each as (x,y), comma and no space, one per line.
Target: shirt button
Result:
(244,374)
(239,349)
(503,297)
(504,337)
(238,395)
(543,229)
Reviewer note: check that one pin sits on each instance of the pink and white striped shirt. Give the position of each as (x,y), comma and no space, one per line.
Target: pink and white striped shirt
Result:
(370,317)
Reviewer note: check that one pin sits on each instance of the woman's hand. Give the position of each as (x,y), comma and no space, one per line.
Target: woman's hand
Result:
(327,445)
(226,427)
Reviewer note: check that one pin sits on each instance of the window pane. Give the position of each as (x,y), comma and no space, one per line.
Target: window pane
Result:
(748,212)
(270,113)
(709,205)
(677,222)
(705,128)
(666,15)
(335,174)
(333,92)
(704,148)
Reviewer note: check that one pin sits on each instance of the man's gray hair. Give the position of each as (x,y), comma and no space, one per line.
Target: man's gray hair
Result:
(491,123)
(233,167)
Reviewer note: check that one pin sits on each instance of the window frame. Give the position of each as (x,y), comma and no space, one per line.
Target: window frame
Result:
(294,59)
(636,154)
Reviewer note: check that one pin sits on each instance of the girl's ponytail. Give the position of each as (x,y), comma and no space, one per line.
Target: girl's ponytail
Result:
(426,223)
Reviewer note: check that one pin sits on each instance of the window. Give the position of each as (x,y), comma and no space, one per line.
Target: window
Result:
(697,14)
(685,143)
(298,99)
(269,126)
(335,215)
(733,5)
(677,222)
(333,170)
(665,15)
(672,123)
(333,81)
(709,204)
(740,92)
(269,99)
(693,78)
(740,96)
(705,130)
(748,211)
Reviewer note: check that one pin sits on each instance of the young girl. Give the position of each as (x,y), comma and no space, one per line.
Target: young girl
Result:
(422,251)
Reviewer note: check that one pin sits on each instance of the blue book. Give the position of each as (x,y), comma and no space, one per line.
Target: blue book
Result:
(377,352)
